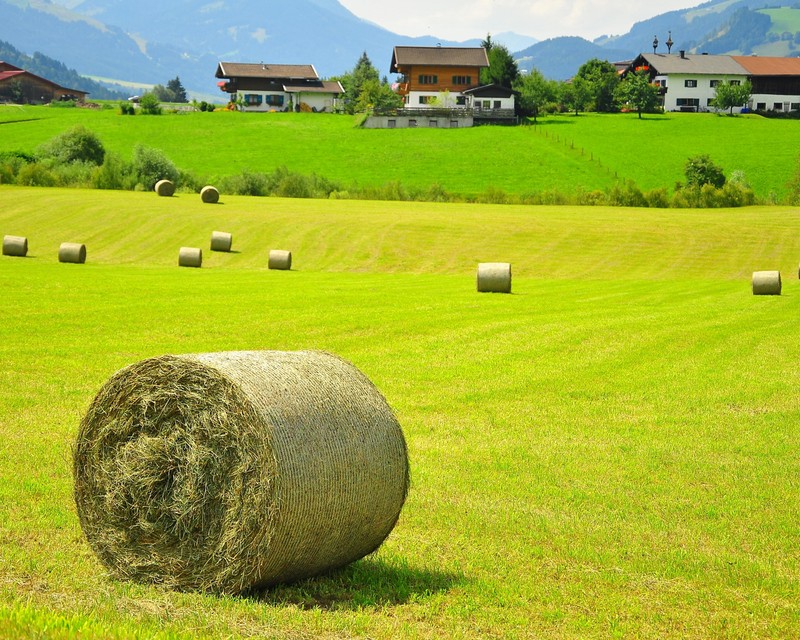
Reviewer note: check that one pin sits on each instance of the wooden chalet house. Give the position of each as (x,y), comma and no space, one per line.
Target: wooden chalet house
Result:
(688,82)
(18,85)
(277,87)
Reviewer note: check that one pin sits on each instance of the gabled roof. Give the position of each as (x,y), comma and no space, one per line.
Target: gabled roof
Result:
(266,71)
(769,66)
(7,66)
(692,64)
(8,71)
(5,75)
(439,56)
(491,91)
(324,86)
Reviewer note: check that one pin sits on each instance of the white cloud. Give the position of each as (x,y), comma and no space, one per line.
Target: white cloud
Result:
(463,19)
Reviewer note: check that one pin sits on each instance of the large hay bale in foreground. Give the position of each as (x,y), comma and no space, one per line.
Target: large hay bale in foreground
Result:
(165,188)
(281,260)
(73,252)
(190,257)
(16,246)
(209,195)
(494,277)
(766,283)
(229,471)
(221,241)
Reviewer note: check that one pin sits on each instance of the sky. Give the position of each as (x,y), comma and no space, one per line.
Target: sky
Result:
(541,19)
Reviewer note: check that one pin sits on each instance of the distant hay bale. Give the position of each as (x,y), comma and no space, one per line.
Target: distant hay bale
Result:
(209,195)
(766,283)
(190,257)
(16,246)
(221,241)
(73,252)
(494,277)
(165,188)
(228,471)
(281,260)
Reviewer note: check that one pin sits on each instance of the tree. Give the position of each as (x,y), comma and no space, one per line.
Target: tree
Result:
(502,69)
(377,96)
(354,81)
(600,79)
(175,87)
(637,91)
(728,95)
(575,95)
(534,92)
(77,144)
(150,104)
(700,170)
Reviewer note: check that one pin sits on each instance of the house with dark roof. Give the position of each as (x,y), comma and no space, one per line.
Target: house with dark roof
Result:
(688,82)
(277,87)
(18,85)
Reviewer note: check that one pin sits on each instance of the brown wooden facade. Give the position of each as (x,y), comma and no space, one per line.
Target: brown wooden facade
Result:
(18,85)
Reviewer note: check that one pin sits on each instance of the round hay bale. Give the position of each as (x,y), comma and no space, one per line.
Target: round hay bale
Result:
(16,246)
(221,241)
(73,252)
(766,283)
(190,257)
(229,471)
(209,195)
(494,277)
(165,188)
(281,260)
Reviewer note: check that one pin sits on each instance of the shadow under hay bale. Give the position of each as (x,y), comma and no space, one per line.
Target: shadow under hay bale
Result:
(494,277)
(190,257)
(209,195)
(221,241)
(766,283)
(280,260)
(165,188)
(72,252)
(232,471)
(16,246)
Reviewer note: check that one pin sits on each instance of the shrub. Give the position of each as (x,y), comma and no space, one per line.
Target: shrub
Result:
(114,173)
(657,198)
(150,105)
(77,144)
(35,175)
(246,183)
(701,170)
(151,165)
(127,109)
(625,193)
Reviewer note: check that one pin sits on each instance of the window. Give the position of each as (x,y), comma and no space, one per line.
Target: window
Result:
(735,83)
(412,123)
(274,100)
(486,104)
(252,99)
(714,84)
(462,80)
(497,104)
(433,123)
(778,106)
(392,124)
(690,83)
(461,101)
(426,99)
(795,106)
(761,106)
(428,79)
(454,124)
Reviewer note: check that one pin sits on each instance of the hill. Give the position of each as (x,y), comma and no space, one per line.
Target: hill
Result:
(560,58)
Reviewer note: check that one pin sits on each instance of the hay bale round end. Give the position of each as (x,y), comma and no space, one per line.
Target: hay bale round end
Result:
(280,260)
(229,471)
(15,246)
(165,188)
(494,277)
(221,241)
(72,252)
(766,283)
(209,195)
(190,257)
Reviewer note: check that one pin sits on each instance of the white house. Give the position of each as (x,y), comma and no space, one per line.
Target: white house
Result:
(277,87)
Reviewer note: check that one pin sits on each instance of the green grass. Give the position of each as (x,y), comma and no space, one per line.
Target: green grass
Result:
(608,452)
(563,153)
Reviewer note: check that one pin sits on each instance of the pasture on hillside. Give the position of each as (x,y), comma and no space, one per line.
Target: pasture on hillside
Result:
(609,451)
(564,153)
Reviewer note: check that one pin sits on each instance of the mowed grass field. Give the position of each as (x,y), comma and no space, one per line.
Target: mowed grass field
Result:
(610,451)
(563,153)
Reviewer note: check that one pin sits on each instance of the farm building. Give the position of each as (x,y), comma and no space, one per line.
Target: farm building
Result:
(688,82)
(20,86)
(277,87)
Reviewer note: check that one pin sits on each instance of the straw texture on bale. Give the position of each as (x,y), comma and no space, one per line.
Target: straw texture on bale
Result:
(766,283)
(190,257)
(16,246)
(165,188)
(209,195)
(281,260)
(229,471)
(494,277)
(73,252)
(221,241)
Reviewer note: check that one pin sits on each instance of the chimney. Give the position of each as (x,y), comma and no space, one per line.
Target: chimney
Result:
(683,54)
